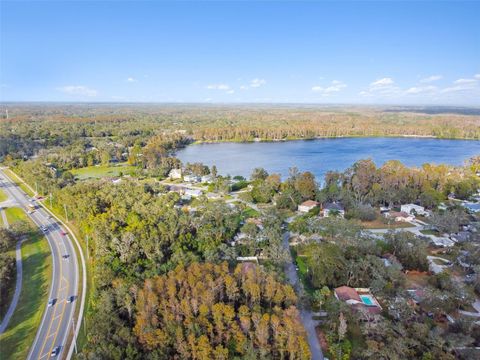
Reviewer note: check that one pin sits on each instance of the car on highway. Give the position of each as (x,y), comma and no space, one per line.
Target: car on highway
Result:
(70,299)
(51,302)
(44,228)
(63,233)
(55,352)
(66,256)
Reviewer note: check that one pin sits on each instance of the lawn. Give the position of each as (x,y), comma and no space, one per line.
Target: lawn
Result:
(15,214)
(19,336)
(430,232)
(3,196)
(102,171)
(249,213)
(379,224)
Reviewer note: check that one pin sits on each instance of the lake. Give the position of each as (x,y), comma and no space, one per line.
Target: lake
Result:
(322,155)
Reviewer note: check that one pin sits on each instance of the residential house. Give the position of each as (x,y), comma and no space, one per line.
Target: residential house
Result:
(192,192)
(358,298)
(330,209)
(206,179)
(175,174)
(192,178)
(308,205)
(413,209)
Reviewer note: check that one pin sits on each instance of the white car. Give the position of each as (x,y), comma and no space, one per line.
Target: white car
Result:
(51,302)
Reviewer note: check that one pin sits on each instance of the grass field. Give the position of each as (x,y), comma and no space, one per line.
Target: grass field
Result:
(379,224)
(19,336)
(3,196)
(102,171)
(15,214)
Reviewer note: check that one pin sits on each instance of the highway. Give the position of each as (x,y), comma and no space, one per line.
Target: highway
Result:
(57,321)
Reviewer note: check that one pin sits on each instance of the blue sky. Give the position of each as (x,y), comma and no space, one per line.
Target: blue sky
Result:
(313,52)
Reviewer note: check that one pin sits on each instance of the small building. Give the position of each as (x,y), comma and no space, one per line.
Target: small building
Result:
(461,236)
(192,192)
(308,205)
(329,209)
(400,216)
(208,179)
(192,178)
(213,196)
(175,174)
(358,298)
(413,209)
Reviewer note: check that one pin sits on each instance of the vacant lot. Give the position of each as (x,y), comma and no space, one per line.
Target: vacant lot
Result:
(98,172)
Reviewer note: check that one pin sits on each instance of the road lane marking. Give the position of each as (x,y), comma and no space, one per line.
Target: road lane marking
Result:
(63,310)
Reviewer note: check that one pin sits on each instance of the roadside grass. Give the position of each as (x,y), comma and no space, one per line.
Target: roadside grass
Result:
(102,171)
(15,214)
(3,196)
(15,342)
(302,271)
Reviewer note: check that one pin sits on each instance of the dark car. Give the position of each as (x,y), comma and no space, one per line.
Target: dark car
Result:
(55,352)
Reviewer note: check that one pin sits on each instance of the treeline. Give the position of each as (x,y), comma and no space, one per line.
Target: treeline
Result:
(393,183)
(7,267)
(30,128)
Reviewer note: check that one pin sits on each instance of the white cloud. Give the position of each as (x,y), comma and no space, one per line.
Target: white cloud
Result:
(477,76)
(462,85)
(335,86)
(421,89)
(79,90)
(223,87)
(255,83)
(131,80)
(384,87)
(230,91)
(431,78)
(382,82)
(465,81)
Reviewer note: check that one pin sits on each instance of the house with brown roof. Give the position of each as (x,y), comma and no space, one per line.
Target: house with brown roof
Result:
(308,205)
(358,298)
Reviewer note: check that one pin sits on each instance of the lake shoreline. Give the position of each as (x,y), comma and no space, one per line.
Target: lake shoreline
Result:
(259,140)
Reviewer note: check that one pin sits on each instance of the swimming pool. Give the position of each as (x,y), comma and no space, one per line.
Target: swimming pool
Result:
(367,300)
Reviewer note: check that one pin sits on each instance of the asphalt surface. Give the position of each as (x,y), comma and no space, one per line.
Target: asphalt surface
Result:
(305,315)
(57,321)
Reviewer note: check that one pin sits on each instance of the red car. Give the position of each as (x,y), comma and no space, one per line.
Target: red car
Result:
(63,233)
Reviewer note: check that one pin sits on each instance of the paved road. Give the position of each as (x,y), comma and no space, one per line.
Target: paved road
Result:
(305,314)
(56,323)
